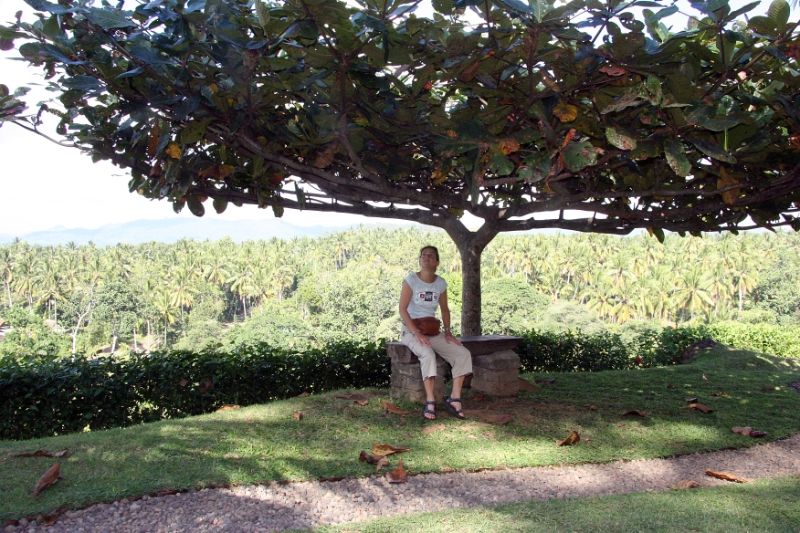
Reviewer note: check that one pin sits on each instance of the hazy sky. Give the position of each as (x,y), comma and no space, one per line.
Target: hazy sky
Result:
(43,185)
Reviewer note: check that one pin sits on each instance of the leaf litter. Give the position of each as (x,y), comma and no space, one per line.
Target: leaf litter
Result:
(42,453)
(52,475)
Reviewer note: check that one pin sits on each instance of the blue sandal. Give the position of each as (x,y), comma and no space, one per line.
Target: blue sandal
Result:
(427,411)
(458,413)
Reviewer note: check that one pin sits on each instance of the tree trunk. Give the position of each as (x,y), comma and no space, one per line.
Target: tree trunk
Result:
(135,346)
(8,290)
(470,246)
(113,342)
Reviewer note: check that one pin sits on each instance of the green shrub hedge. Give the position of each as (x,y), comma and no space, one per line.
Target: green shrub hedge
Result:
(63,396)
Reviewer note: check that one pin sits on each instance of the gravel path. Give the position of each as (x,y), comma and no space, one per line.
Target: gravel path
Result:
(304,505)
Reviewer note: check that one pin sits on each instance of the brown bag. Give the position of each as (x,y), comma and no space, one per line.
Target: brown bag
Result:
(428,325)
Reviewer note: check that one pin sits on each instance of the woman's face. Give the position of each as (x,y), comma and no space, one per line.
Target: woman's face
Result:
(428,258)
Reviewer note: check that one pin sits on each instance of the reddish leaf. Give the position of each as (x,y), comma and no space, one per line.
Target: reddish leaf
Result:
(399,474)
(297,415)
(49,477)
(686,484)
(387,449)
(42,453)
(480,397)
(722,394)
(370,459)
(742,430)
(302,395)
(49,519)
(757,434)
(634,412)
(383,461)
(767,389)
(699,407)
(392,408)
(725,476)
(228,407)
(591,407)
(613,71)
(183,382)
(572,438)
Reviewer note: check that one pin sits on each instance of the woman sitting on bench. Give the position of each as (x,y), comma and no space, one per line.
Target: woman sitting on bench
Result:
(421,294)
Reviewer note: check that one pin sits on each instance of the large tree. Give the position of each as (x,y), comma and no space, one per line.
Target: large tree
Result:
(590,116)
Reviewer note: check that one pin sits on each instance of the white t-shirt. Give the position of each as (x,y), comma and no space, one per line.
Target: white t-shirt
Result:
(424,296)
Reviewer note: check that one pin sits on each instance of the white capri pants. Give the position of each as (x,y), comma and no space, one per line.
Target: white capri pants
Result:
(457,356)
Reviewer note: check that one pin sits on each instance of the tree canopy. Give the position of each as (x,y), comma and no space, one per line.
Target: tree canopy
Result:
(595,111)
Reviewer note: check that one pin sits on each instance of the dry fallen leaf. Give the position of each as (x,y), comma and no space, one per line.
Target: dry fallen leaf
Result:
(526,386)
(297,415)
(228,408)
(42,453)
(392,408)
(49,477)
(591,407)
(742,430)
(722,394)
(302,395)
(433,429)
(498,420)
(767,388)
(572,438)
(705,378)
(383,461)
(699,407)
(671,386)
(399,474)
(690,400)
(387,449)
(757,434)
(360,399)
(634,412)
(686,484)
(487,434)
(370,459)
(480,397)
(725,476)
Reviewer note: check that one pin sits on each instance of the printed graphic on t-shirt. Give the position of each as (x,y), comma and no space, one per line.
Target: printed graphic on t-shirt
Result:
(428,296)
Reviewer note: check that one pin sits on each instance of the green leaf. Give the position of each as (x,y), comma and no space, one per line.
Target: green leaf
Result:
(499,163)
(220,205)
(620,138)
(763,26)
(108,18)
(626,100)
(195,206)
(194,131)
(580,155)
(779,12)
(719,124)
(712,150)
(675,157)
(658,233)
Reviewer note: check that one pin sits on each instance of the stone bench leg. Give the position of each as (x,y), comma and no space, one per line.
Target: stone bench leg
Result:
(406,380)
(496,374)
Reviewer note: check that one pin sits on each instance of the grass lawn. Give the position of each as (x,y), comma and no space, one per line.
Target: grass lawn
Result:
(266,443)
(767,505)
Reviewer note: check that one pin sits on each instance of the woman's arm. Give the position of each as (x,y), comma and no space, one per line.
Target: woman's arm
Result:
(405,299)
(448,335)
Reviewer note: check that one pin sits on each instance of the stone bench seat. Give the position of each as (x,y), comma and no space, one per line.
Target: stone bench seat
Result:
(495,368)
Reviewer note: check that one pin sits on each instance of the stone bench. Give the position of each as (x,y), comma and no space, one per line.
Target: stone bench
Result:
(495,368)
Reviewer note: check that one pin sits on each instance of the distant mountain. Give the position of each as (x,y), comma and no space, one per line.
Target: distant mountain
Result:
(171,230)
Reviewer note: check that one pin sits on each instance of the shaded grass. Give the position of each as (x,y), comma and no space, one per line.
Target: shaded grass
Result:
(266,443)
(766,505)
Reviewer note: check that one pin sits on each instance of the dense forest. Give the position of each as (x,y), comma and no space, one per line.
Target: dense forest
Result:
(302,293)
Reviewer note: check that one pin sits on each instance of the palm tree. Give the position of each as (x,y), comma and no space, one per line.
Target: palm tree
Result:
(165,307)
(7,272)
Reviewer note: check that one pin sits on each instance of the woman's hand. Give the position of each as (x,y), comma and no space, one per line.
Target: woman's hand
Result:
(448,337)
(422,339)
